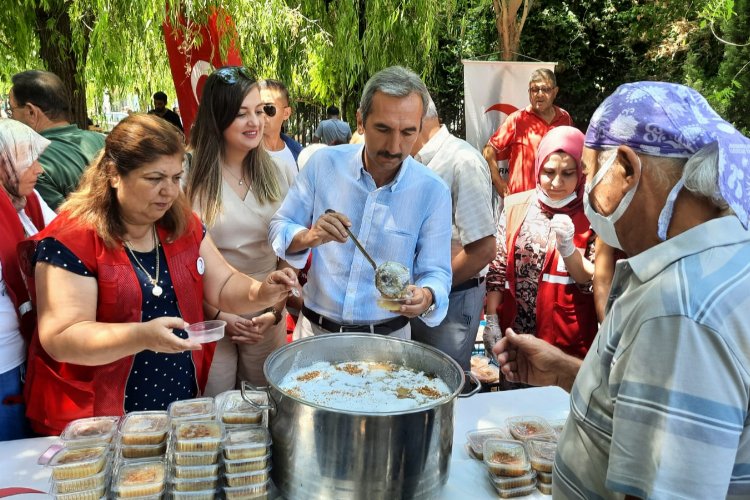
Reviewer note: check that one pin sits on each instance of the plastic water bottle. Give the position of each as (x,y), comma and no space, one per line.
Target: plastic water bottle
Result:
(491,334)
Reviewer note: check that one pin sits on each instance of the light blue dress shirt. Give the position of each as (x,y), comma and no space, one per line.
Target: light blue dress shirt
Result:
(407,221)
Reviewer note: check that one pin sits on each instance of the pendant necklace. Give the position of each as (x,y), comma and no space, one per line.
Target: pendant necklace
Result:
(240,180)
(156,291)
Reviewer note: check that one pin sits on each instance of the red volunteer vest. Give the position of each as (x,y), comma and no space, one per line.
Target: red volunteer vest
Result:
(57,393)
(565,316)
(12,233)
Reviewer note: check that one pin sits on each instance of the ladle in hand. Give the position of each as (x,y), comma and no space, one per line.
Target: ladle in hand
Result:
(391,278)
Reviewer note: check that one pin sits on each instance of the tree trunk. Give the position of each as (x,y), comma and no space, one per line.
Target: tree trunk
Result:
(56,50)
(508,25)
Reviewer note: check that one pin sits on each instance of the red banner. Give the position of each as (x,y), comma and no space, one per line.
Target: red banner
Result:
(191,64)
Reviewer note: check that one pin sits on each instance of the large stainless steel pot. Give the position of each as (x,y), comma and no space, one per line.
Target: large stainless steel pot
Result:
(325,453)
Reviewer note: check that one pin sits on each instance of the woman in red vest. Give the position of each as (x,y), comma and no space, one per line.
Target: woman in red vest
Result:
(543,286)
(22,214)
(119,274)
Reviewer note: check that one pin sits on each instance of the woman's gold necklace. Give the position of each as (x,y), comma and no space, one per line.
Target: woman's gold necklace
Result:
(156,291)
(240,180)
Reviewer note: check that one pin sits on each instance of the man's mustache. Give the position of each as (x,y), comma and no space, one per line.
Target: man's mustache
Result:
(390,156)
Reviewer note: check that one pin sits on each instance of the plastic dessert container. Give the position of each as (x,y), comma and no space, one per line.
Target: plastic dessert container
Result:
(192,409)
(139,479)
(206,331)
(506,458)
(523,428)
(233,409)
(197,435)
(510,482)
(476,439)
(77,463)
(250,442)
(87,432)
(144,428)
(541,454)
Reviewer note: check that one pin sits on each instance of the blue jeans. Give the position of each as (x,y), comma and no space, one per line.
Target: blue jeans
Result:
(13,424)
(456,335)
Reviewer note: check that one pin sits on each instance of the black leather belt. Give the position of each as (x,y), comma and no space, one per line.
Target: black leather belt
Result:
(468,284)
(385,328)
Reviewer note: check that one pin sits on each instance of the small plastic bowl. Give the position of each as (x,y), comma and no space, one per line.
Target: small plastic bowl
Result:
(393,305)
(206,331)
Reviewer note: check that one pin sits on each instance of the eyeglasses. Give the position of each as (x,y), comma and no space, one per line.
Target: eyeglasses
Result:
(231,74)
(270,110)
(543,90)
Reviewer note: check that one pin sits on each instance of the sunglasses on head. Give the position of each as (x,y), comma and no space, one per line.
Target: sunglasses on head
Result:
(231,74)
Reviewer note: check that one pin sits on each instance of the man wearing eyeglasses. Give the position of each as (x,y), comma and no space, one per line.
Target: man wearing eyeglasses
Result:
(518,137)
(282,148)
(39,99)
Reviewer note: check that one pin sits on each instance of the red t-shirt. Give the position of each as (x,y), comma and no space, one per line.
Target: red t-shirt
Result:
(517,140)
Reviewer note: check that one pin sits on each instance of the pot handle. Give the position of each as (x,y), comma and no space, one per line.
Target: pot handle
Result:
(475,390)
(247,386)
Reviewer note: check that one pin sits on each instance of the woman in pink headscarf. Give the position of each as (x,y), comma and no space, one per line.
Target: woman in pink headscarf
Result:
(22,214)
(543,286)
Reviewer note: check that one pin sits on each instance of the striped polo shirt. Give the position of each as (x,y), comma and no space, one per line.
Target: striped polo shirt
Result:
(660,406)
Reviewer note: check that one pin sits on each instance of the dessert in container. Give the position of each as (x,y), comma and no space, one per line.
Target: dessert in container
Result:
(195,484)
(544,488)
(84,485)
(206,331)
(144,428)
(506,458)
(195,458)
(515,492)
(245,478)
(139,479)
(541,454)
(197,435)
(192,495)
(142,451)
(192,409)
(246,464)
(76,463)
(544,477)
(249,442)
(92,494)
(233,409)
(477,437)
(87,432)
(195,471)
(509,482)
(523,428)
(259,490)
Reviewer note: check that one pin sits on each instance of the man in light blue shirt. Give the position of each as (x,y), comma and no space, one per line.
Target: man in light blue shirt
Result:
(398,208)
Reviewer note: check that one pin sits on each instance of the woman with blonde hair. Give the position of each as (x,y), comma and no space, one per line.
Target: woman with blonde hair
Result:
(120,273)
(236,187)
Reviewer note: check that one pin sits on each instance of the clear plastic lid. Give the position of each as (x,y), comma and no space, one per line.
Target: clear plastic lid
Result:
(506,458)
(92,494)
(195,471)
(247,491)
(89,486)
(233,409)
(246,464)
(91,431)
(144,427)
(200,408)
(75,463)
(477,438)
(194,484)
(138,451)
(192,495)
(197,435)
(139,479)
(194,457)
(510,482)
(541,454)
(515,492)
(524,428)
(247,478)
(246,442)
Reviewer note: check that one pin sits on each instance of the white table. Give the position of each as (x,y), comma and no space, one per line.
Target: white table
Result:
(467,479)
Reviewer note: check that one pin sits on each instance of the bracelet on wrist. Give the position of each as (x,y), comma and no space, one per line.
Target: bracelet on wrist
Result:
(218,311)
(276,315)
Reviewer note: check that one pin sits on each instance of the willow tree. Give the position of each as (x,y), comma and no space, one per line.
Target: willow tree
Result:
(510,18)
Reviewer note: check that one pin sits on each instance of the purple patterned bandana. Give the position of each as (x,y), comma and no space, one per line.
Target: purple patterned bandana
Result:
(667,119)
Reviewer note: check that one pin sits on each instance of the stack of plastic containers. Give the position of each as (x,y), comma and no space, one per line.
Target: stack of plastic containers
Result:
(542,457)
(475,440)
(509,468)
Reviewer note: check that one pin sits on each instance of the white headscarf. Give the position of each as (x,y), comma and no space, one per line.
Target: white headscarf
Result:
(20,147)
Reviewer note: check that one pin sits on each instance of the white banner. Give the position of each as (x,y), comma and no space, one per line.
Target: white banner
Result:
(493,90)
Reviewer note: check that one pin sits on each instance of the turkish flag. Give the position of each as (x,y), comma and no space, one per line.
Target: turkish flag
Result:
(191,65)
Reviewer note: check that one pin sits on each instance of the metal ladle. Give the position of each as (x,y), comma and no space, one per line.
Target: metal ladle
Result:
(391,278)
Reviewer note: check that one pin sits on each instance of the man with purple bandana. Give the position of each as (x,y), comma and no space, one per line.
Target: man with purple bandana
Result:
(659,406)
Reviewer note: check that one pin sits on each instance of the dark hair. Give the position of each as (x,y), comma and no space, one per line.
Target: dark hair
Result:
(137,140)
(276,85)
(332,111)
(395,81)
(543,74)
(160,96)
(44,90)
(218,108)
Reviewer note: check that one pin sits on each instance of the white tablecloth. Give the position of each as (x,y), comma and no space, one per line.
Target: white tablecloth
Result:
(467,479)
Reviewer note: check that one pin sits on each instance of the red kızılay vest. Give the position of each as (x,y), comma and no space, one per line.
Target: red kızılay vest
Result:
(565,315)
(57,393)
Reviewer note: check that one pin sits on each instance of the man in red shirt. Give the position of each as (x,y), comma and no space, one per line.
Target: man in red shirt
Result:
(518,137)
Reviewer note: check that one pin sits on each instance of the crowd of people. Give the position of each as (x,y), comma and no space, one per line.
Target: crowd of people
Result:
(616,269)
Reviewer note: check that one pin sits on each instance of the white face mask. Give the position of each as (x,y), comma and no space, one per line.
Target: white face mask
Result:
(542,196)
(604,227)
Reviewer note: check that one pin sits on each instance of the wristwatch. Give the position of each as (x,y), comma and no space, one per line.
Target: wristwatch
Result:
(429,310)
